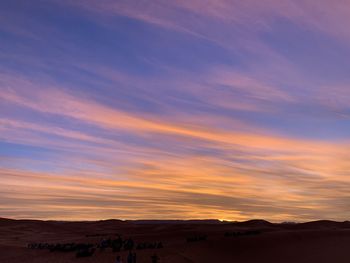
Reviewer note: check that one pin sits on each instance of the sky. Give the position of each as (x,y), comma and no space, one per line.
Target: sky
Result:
(182,109)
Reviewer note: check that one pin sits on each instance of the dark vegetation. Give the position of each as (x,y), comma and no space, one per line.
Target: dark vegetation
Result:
(88,249)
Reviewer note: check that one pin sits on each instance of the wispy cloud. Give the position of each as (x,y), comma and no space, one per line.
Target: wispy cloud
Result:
(181,109)
(197,160)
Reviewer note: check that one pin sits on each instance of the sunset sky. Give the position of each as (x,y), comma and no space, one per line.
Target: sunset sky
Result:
(182,109)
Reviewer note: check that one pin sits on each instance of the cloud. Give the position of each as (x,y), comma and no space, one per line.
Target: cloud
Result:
(241,129)
(58,102)
(210,170)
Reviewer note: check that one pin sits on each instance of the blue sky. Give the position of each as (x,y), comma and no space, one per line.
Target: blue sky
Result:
(174,110)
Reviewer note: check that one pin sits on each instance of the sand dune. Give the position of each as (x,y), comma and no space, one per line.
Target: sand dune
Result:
(250,241)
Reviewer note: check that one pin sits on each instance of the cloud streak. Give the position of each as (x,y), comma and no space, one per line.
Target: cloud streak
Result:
(184,109)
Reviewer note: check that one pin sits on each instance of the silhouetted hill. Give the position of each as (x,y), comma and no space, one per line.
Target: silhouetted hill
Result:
(204,221)
(318,224)
(321,224)
(255,223)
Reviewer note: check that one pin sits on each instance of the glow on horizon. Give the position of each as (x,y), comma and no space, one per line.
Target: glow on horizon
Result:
(175,110)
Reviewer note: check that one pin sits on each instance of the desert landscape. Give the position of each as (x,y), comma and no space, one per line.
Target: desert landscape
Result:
(181,241)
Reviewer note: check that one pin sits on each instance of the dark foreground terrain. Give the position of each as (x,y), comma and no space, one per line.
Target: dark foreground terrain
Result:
(174,241)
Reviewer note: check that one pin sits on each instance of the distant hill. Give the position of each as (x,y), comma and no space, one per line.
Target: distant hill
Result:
(204,221)
(254,223)
(319,224)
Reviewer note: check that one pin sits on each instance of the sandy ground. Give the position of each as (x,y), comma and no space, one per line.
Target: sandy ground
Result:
(320,241)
